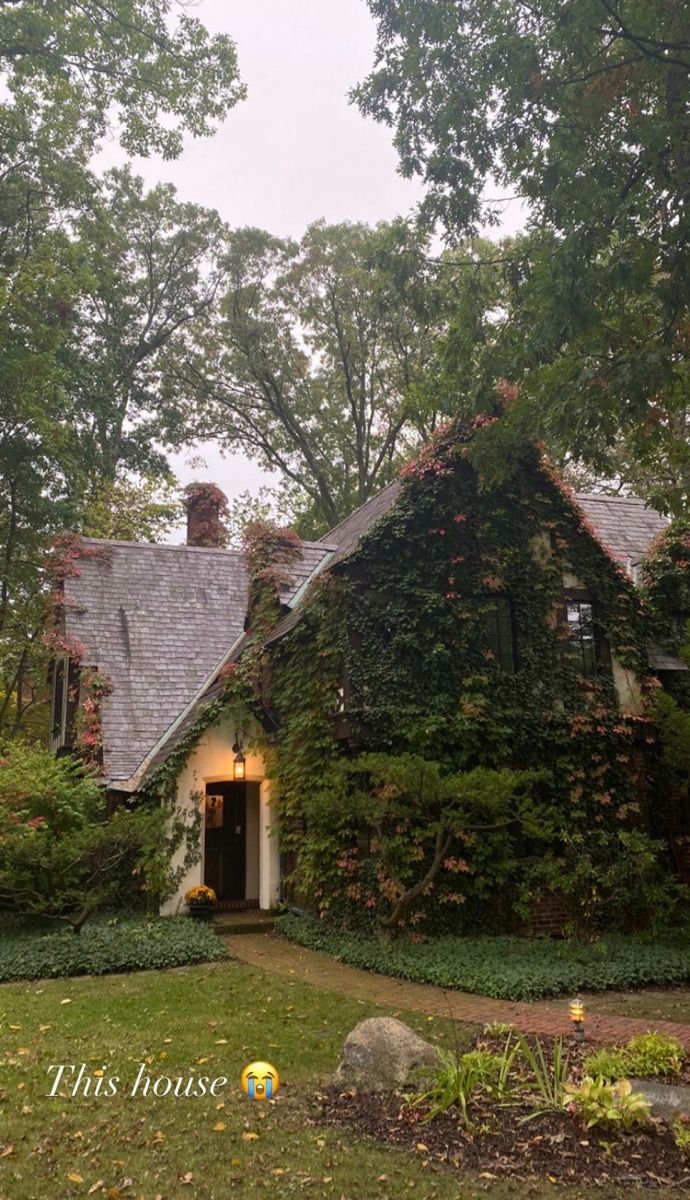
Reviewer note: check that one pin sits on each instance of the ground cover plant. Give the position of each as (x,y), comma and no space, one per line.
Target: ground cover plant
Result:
(210,1019)
(508,968)
(106,945)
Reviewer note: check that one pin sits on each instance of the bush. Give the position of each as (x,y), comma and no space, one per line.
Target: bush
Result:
(646,1054)
(508,968)
(62,853)
(134,944)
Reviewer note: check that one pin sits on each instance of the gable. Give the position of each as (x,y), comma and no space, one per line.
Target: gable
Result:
(157,621)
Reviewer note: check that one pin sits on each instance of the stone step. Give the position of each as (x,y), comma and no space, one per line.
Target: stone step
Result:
(235,923)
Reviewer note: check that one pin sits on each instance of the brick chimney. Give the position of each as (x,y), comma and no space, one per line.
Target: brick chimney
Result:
(206,506)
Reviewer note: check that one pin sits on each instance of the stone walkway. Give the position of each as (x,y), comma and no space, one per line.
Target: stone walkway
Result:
(549,1018)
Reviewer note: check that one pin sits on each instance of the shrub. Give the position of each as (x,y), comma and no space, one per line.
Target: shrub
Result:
(609,880)
(609,1063)
(646,1054)
(596,1102)
(62,853)
(681,1133)
(508,968)
(654,1054)
(134,944)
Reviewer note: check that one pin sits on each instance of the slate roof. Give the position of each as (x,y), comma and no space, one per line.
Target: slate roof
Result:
(624,525)
(158,620)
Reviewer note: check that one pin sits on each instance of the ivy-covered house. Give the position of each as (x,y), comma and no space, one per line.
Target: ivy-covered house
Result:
(474,627)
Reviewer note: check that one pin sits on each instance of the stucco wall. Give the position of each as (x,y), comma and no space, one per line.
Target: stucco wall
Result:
(211,762)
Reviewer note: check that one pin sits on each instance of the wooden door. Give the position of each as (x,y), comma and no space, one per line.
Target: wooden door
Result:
(226,839)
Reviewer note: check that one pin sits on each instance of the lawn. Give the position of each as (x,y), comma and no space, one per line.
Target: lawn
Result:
(508,968)
(211,1019)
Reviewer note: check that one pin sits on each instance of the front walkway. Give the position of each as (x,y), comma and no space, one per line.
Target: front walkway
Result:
(549,1018)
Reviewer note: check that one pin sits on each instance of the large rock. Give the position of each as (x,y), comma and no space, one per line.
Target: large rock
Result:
(382,1053)
(667,1099)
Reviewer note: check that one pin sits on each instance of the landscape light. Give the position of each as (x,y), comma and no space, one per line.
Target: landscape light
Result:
(577,1016)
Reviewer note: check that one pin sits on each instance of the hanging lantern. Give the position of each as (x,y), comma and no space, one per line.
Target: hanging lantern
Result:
(239,765)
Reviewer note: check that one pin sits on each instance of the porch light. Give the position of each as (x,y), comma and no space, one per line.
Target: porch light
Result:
(238,766)
(577,1016)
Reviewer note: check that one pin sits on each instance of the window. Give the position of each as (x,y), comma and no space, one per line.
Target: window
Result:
(65,703)
(59,700)
(585,644)
(680,626)
(499,633)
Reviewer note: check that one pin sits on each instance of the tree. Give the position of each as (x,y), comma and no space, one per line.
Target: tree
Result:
(150,268)
(85,319)
(384,830)
(320,361)
(131,510)
(80,343)
(62,854)
(580,109)
(74,65)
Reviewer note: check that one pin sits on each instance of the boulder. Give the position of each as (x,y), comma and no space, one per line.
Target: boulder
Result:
(381,1054)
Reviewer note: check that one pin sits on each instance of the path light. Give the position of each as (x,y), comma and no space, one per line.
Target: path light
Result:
(238,766)
(577,1016)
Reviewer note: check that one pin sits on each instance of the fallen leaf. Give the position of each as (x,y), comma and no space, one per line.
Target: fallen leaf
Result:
(421,1146)
(187,1178)
(159,1136)
(5,1151)
(74,1177)
(327,1179)
(68,1001)
(219,1127)
(96,1187)
(222,1042)
(235,1162)
(250,1137)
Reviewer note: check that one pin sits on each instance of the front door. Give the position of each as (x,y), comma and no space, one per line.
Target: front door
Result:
(225,848)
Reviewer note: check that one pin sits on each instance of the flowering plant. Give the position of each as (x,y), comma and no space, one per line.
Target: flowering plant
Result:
(200,895)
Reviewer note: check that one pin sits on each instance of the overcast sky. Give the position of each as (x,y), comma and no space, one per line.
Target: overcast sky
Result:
(294,150)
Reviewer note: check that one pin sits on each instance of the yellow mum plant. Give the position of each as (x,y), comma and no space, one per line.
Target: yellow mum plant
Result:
(200,895)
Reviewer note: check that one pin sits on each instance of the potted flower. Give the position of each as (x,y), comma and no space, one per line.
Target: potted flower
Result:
(201,902)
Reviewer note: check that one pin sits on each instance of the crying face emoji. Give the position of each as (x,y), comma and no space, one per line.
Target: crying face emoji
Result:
(260,1081)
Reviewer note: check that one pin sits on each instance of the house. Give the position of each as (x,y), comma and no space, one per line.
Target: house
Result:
(459,620)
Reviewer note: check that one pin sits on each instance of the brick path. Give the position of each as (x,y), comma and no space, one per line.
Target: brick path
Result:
(547,1018)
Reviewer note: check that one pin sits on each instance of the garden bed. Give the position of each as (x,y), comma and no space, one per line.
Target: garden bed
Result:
(508,968)
(105,946)
(551,1146)
(518,1134)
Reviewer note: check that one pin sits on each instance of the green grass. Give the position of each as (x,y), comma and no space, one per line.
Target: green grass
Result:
(106,945)
(508,968)
(212,1019)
